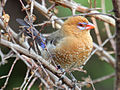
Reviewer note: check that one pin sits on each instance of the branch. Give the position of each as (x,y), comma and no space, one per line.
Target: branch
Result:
(107,27)
(10,71)
(36,57)
(116,5)
(106,54)
(83,9)
(99,79)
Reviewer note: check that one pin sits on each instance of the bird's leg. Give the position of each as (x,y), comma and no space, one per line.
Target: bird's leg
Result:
(63,72)
(62,76)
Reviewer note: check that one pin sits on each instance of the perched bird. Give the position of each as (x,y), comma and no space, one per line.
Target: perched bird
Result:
(71,45)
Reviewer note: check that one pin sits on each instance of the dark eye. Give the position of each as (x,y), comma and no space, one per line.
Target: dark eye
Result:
(82,25)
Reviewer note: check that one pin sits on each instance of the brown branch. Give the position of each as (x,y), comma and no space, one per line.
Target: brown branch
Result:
(25,79)
(35,70)
(116,7)
(110,59)
(2,4)
(83,9)
(32,53)
(36,57)
(96,31)
(107,27)
(104,78)
(10,71)
(31,83)
(29,79)
(99,79)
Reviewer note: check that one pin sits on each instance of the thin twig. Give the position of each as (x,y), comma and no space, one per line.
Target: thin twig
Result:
(107,27)
(10,54)
(99,79)
(25,79)
(110,58)
(24,8)
(43,2)
(29,78)
(91,82)
(2,58)
(31,10)
(84,9)
(104,78)
(94,3)
(95,23)
(29,66)
(10,71)
(5,76)
(96,31)
(31,83)
(2,4)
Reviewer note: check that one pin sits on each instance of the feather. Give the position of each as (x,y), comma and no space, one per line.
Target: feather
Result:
(32,31)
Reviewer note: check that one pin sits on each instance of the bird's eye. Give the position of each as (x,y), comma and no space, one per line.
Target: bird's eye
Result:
(82,25)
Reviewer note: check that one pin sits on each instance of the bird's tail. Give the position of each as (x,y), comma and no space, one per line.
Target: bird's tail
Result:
(22,22)
(32,32)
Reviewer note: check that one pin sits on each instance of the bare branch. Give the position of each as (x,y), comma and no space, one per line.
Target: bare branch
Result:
(8,76)
(116,9)
(32,82)
(107,28)
(96,31)
(99,79)
(104,78)
(84,9)
(106,54)
(25,79)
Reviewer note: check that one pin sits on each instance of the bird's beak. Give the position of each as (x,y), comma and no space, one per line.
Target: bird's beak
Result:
(90,26)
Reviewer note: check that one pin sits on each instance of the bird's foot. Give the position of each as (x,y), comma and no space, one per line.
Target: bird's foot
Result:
(63,72)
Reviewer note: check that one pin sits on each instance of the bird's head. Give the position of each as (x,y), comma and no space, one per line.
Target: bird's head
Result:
(77,24)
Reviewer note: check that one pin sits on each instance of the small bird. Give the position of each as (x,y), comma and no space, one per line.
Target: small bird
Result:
(70,46)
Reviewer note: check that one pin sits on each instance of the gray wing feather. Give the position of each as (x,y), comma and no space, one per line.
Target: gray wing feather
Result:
(51,41)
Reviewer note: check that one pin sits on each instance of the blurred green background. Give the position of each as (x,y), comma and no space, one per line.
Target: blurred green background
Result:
(95,67)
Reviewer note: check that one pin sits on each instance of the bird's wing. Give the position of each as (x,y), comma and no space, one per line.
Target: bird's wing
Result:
(51,41)
(54,38)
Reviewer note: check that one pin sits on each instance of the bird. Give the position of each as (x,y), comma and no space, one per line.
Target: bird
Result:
(70,46)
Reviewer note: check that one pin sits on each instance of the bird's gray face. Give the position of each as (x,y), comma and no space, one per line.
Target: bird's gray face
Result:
(85,26)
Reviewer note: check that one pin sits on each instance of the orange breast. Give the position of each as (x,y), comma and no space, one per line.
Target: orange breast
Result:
(72,52)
